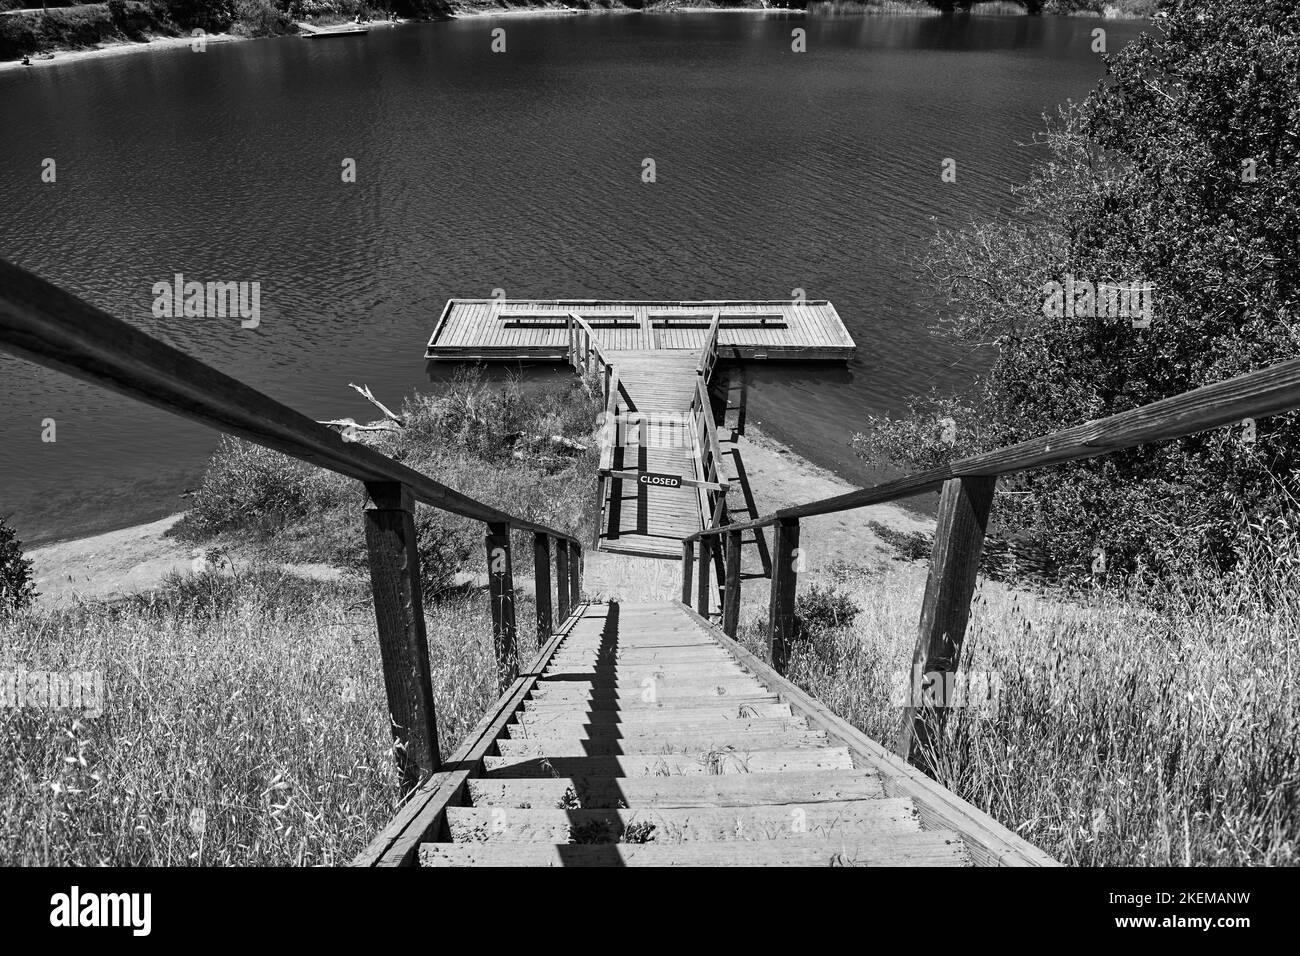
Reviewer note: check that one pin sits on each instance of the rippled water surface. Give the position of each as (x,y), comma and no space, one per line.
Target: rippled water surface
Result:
(521,171)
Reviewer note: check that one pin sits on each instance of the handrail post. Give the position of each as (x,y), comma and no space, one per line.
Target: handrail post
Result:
(731,587)
(702,583)
(399,616)
(575,573)
(963,517)
(501,591)
(542,586)
(688,567)
(785,580)
(562,578)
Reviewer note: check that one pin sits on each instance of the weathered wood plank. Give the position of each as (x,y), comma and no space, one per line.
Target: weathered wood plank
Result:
(938,848)
(729,790)
(542,586)
(878,820)
(501,594)
(781,603)
(669,765)
(958,543)
(399,617)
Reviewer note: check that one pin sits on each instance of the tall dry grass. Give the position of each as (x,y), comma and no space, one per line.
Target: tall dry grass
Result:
(1137,729)
(245,724)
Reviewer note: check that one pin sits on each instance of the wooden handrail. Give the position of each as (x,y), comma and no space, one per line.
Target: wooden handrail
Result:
(709,349)
(969,486)
(46,325)
(51,327)
(610,439)
(1258,394)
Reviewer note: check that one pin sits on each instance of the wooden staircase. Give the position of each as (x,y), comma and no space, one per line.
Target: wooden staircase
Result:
(644,741)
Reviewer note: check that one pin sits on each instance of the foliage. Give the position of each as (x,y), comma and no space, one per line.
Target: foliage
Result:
(245,723)
(16,588)
(1182,170)
(260,18)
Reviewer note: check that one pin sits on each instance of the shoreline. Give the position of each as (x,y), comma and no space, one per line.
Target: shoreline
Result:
(112,564)
(61,55)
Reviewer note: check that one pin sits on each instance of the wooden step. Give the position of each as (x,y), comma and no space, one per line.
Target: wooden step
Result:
(669,765)
(738,741)
(605,703)
(643,655)
(932,848)
(716,725)
(721,686)
(729,790)
(850,819)
(541,716)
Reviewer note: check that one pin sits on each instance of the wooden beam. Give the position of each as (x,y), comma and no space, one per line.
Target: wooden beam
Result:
(501,592)
(702,578)
(958,543)
(542,586)
(785,581)
(688,566)
(731,589)
(562,604)
(399,617)
(575,573)
(1268,391)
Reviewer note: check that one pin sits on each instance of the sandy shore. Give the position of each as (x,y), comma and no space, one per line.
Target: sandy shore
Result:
(117,563)
(60,57)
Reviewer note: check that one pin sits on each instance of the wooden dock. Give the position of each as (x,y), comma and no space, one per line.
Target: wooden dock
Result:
(511,330)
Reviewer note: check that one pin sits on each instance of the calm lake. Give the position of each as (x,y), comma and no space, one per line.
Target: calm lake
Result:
(519,170)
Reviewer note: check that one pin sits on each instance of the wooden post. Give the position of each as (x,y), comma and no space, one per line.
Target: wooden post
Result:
(575,573)
(785,580)
(731,587)
(688,567)
(562,578)
(542,586)
(399,615)
(702,586)
(958,543)
(501,592)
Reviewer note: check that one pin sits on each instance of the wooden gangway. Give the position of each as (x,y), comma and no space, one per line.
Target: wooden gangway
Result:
(536,330)
(659,476)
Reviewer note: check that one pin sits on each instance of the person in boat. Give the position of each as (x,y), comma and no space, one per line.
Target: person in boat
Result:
(27,60)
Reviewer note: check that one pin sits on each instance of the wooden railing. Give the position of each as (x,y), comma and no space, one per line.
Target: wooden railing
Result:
(584,351)
(46,325)
(967,487)
(709,350)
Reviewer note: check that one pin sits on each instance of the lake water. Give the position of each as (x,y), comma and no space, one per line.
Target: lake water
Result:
(520,170)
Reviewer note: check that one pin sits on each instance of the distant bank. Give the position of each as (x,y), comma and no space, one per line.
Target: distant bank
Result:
(30,38)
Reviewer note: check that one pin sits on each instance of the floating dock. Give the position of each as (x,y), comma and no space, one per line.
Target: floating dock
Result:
(536,330)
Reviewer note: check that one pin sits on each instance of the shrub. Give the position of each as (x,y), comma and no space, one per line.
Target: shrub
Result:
(16,588)
(1147,182)
(260,18)
(248,487)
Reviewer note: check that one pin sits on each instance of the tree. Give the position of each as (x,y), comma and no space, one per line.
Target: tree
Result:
(1181,170)
(16,588)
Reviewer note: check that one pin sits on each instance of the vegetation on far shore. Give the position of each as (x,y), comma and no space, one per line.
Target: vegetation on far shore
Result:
(76,26)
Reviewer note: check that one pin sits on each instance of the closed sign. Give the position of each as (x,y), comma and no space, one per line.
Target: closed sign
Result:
(662,481)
